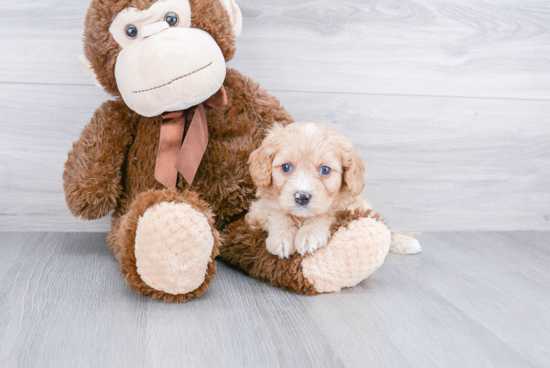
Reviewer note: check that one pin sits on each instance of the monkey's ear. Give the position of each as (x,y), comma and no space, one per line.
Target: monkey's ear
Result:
(235,15)
(87,67)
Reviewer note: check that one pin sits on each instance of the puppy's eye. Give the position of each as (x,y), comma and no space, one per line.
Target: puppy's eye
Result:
(131,31)
(172,19)
(286,167)
(325,170)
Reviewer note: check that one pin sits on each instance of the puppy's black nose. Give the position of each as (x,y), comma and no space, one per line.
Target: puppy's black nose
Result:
(302,198)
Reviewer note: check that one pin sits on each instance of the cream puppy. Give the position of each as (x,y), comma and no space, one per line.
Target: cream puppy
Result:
(305,174)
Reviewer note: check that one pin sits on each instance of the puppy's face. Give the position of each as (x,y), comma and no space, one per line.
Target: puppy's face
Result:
(306,166)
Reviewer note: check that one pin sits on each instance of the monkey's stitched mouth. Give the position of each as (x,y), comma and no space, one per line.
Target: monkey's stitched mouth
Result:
(173,80)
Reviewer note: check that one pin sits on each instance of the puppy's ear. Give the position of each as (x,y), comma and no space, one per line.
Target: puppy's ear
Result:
(261,160)
(260,166)
(354,174)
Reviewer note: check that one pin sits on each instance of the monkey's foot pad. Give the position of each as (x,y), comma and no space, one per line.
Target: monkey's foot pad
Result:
(173,247)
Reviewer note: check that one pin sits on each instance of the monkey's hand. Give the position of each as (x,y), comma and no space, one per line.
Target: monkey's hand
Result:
(92,176)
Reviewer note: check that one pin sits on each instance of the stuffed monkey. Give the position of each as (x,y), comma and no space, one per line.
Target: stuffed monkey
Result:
(169,155)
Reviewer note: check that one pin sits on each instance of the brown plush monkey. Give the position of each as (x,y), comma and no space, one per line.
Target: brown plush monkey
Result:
(164,62)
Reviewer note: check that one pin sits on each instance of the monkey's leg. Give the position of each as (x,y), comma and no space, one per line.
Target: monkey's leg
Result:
(358,246)
(166,244)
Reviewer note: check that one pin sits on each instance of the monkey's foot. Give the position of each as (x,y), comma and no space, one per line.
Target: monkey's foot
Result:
(353,253)
(358,246)
(175,244)
(173,247)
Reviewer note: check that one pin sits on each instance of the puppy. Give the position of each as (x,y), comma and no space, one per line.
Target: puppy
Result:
(305,174)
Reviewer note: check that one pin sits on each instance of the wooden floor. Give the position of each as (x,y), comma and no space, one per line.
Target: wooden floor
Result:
(448,103)
(469,300)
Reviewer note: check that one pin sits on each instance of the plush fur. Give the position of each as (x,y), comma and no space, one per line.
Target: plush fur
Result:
(304,148)
(111,167)
(101,49)
(122,239)
(320,272)
(113,163)
(244,248)
(355,251)
(174,255)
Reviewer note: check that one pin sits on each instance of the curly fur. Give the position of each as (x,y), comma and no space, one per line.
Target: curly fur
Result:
(304,148)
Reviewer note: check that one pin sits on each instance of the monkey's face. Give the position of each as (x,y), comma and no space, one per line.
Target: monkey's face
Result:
(163,63)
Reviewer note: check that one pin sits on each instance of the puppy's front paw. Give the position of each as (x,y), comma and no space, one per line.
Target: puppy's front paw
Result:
(280,243)
(310,238)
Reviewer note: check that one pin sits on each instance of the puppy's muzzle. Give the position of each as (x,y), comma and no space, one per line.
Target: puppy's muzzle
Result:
(302,198)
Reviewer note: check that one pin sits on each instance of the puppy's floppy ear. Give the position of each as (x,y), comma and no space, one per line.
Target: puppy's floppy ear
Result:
(261,160)
(260,167)
(354,172)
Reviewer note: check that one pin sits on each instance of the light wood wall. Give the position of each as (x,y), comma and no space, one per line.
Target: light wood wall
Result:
(447,101)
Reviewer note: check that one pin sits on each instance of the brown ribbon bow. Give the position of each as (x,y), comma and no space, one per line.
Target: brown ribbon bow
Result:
(174,156)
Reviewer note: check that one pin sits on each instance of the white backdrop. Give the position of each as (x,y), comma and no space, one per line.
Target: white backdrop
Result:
(446,101)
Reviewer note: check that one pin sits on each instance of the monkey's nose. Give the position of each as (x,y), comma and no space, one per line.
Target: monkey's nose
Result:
(302,198)
(154,28)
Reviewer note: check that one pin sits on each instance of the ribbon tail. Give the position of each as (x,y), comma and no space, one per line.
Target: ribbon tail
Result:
(194,146)
(171,133)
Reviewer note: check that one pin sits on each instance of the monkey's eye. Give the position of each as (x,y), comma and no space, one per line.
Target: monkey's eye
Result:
(325,170)
(286,167)
(172,19)
(131,31)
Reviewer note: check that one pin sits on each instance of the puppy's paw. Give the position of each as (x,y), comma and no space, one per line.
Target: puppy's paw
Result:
(403,244)
(281,244)
(309,238)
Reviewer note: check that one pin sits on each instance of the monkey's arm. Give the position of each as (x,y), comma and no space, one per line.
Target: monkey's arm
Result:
(92,176)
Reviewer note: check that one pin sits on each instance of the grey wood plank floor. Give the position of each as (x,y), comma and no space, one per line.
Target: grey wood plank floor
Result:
(471,299)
